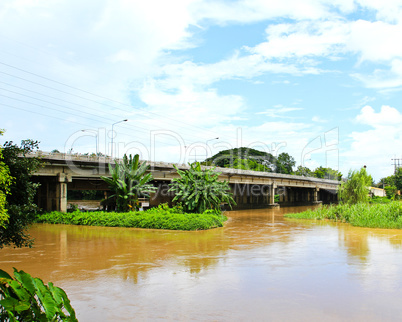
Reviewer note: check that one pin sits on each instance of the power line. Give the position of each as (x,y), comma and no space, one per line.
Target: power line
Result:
(397,164)
(87,92)
(67,120)
(74,95)
(135,128)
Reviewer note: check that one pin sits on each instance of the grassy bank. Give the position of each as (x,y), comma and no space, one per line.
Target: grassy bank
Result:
(156,218)
(362,215)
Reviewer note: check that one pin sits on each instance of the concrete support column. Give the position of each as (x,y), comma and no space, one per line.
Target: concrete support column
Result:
(49,198)
(316,195)
(272,193)
(61,191)
(272,203)
(284,195)
(61,196)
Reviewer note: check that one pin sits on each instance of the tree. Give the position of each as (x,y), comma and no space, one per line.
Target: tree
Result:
(227,158)
(303,171)
(128,182)
(394,181)
(387,181)
(20,200)
(285,163)
(327,173)
(5,182)
(199,189)
(356,188)
(398,178)
(391,191)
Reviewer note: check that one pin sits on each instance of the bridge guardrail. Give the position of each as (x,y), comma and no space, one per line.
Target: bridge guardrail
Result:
(161,164)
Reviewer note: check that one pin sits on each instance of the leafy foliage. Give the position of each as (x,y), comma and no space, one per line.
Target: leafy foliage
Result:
(199,189)
(5,182)
(392,184)
(242,158)
(161,217)
(128,182)
(388,215)
(285,163)
(398,178)
(251,159)
(303,171)
(24,298)
(378,199)
(327,173)
(391,191)
(20,200)
(356,188)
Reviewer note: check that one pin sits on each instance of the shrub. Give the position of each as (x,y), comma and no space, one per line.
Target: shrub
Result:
(161,217)
(388,215)
(199,189)
(24,298)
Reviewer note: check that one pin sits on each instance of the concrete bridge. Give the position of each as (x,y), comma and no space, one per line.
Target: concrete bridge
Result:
(251,189)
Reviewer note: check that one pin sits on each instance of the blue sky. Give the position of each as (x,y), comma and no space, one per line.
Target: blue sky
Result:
(320,80)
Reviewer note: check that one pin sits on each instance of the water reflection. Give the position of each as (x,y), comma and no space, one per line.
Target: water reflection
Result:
(259,266)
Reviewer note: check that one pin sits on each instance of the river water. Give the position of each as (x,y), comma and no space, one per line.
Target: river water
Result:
(260,266)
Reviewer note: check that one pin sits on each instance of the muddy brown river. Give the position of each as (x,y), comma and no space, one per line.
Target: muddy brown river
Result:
(259,267)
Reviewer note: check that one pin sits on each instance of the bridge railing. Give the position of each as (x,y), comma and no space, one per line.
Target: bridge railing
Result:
(167,165)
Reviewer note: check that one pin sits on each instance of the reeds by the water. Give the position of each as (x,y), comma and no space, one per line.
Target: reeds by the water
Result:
(362,214)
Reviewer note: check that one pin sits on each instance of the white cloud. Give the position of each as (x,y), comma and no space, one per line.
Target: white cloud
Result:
(192,106)
(383,78)
(318,119)
(308,38)
(247,11)
(279,111)
(376,146)
(388,10)
(235,67)
(375,41)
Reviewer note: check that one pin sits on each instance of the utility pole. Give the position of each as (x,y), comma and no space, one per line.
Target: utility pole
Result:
(397,164)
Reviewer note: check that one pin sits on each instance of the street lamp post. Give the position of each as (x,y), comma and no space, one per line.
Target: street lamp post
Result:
(96,137)
(206,144)
(113,133)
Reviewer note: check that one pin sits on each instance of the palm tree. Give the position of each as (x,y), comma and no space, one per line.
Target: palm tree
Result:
(199,190)
(128,182)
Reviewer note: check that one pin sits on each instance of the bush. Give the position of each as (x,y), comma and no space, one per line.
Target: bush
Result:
(161,217)
(376,199)
(388,215)
(24,298)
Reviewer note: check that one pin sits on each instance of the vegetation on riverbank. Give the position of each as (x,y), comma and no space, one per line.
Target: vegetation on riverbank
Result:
(356,207)
(199,189)
(387,215)
(24,298)
(17,192)
(129,181)
(161,217)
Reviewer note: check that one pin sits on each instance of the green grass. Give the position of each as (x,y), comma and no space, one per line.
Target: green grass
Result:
(155,218)
(376,199)
(387,215)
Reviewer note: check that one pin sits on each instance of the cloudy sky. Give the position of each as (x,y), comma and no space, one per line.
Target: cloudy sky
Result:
(318,79)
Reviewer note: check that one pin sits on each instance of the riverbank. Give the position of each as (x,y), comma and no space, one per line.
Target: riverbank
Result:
(155,218)
(360,215)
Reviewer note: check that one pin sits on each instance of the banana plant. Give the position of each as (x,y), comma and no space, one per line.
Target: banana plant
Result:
(24,298)
(128,181)
(199,189)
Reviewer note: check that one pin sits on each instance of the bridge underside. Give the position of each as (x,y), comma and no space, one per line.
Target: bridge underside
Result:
(53,191)
(262,196)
